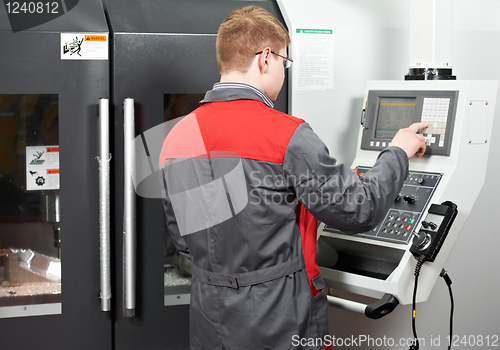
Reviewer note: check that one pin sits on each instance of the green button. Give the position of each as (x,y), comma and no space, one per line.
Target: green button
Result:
(411,221)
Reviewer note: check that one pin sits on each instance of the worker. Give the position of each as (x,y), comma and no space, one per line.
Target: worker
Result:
(244,187)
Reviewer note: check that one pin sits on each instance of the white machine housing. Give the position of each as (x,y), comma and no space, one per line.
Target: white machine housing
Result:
(463,175)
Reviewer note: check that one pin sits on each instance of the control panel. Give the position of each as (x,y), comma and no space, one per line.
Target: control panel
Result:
(400,221)
(388,111)
(381,261)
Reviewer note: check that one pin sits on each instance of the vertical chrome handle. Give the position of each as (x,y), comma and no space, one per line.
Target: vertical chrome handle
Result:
(129,235)
(104,204)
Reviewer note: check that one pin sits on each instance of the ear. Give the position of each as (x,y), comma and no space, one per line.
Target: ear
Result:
(264,60)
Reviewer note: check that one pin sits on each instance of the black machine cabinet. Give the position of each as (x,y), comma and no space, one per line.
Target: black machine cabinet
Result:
(48,106)
(162,55)
(164,58)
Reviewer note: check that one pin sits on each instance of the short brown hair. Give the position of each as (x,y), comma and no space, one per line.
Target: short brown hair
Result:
(245,32)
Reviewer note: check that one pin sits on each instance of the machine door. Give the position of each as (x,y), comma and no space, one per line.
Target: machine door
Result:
(164,59)
(49,216)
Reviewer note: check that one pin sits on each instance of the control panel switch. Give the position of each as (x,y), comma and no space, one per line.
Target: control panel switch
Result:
(410,199)
(421,240)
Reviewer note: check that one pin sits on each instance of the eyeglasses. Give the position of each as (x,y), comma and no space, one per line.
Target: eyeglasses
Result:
(287,63)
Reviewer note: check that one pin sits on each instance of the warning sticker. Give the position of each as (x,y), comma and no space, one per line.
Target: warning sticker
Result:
(95,38)
(78,46)
(42,168)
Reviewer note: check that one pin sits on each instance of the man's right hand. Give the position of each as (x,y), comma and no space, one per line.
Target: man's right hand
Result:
(411,142)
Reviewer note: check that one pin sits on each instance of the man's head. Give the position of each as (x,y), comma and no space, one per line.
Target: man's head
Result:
(245,32)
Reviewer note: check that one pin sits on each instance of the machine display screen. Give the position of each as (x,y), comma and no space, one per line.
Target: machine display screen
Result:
(394,113)
(387,111)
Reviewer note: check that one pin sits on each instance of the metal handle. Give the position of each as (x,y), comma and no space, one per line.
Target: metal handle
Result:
(345,304)
(363,117)
(379,309)
(129,233)
(104,204)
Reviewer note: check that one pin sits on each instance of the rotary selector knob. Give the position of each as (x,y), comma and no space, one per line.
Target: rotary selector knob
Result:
(410,199)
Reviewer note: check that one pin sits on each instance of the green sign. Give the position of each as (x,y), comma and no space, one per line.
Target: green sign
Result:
(313,31)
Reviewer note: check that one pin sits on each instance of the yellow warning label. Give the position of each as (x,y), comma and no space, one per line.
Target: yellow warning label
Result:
(95,37)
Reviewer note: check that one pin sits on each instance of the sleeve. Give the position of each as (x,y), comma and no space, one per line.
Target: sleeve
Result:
(179,241)
(333,192)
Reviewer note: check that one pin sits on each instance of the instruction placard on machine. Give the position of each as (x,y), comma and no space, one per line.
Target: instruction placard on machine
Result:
(42,168)
(314,59)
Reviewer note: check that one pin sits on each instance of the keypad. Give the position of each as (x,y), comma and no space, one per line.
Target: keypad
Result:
(435,112)
(397,224)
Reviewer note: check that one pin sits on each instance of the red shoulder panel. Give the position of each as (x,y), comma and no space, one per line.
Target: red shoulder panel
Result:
(184,141)
(246,127)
